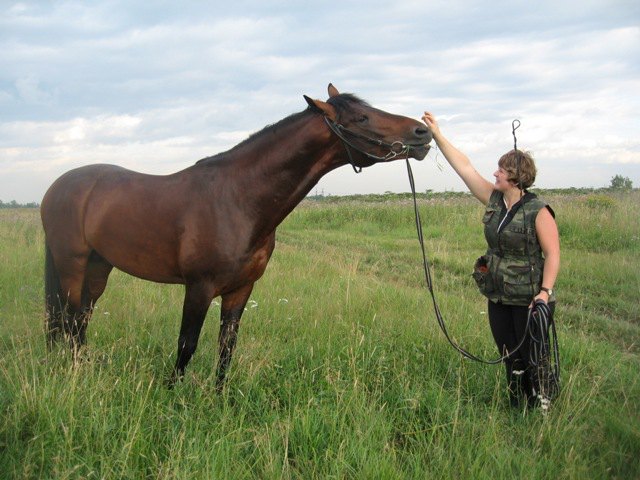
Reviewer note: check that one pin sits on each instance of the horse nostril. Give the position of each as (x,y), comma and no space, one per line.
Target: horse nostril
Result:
(422,132)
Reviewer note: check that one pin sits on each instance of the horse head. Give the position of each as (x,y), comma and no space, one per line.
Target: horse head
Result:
(371,135)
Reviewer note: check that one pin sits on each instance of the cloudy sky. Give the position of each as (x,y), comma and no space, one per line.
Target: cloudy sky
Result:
(156,85)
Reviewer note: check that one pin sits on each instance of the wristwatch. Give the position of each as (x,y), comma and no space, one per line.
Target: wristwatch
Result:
(548,290)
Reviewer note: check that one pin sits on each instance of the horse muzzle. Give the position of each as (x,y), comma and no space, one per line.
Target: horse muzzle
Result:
(419,151)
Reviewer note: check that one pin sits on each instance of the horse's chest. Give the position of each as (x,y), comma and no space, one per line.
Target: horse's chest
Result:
(231,264)
(256,264)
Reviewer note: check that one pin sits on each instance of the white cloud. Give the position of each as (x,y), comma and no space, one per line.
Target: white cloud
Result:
(157,87)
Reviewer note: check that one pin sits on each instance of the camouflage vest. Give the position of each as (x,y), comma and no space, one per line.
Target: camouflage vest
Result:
(511,270)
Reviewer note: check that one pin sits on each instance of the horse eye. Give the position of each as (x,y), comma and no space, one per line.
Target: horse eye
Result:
(362,119)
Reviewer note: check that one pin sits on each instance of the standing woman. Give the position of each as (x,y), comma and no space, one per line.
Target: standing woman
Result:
(522,259)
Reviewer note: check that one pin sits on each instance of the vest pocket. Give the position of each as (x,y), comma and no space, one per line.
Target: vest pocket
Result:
(518,281)
(482,274)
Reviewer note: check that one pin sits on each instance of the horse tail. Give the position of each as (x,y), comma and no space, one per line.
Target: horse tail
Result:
(54,304)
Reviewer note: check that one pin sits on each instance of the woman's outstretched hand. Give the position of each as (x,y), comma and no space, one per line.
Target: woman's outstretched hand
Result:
(430,120)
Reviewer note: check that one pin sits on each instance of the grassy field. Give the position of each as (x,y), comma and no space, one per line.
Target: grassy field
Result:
(340,369)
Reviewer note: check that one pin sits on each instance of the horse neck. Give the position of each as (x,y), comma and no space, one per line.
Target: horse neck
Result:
(274,171)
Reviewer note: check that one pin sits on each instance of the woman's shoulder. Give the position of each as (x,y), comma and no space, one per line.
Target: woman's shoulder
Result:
(536,204)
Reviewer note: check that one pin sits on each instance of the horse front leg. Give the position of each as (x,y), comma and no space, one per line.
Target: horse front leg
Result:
(197,299)
(233,304)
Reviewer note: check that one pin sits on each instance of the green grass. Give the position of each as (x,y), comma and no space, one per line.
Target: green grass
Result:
(340,369)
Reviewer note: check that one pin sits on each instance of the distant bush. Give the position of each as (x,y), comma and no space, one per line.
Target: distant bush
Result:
(14,204)
(600,202)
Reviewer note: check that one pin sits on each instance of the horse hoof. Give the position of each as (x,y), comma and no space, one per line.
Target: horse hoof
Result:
(173,379)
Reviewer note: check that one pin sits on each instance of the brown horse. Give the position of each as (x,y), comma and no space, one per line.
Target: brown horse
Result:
(211,226)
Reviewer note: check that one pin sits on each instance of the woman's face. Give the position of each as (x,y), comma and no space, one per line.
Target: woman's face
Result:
(502,183)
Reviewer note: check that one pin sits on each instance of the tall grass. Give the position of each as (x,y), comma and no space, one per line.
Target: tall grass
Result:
(340,370)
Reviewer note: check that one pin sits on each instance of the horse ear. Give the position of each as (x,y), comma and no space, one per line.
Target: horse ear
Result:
(322,107)
(333,91)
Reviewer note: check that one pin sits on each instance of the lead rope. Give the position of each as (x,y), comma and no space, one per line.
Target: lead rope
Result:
(539,322)
(429,280)
(544,354)
(427,273)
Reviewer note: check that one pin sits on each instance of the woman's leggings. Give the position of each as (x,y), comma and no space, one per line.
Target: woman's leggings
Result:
(508,326)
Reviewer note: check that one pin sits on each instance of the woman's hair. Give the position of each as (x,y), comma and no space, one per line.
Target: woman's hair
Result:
(526,169)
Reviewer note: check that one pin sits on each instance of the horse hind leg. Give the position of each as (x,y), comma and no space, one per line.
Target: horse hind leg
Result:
(55,301)
(95,281)
(63,287)
(64,281)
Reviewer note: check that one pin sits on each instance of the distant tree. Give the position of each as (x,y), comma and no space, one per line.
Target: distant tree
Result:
(621,183)
(14,204)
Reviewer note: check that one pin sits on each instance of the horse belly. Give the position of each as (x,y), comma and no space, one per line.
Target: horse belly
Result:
(142,252)
(147,267)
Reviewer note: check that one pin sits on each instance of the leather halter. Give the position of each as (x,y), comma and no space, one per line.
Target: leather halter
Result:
(396,148)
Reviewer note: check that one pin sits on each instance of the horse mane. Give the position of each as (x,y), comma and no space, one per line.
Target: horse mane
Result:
(344,100)
(339,102)
(269,129)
